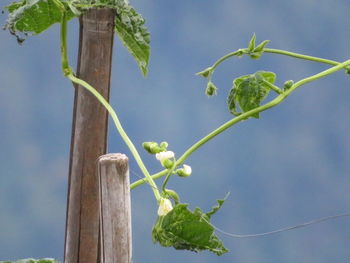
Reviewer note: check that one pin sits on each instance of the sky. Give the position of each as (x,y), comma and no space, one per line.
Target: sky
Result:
(290,166)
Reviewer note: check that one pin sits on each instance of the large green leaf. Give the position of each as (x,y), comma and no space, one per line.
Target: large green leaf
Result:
(249,91)
(130,28)
(183,229)
(34,16)
(129,25)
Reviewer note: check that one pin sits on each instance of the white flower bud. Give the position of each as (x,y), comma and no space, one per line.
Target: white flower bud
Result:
(162,156)
(165,207)
(187,169)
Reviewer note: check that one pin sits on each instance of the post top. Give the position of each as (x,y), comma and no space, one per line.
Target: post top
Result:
(119,160)
(113,157)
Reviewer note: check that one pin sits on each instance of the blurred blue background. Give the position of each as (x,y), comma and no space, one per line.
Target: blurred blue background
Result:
(291,166)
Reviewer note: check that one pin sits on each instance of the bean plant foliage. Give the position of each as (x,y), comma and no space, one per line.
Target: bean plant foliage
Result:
(176,225)
(249,91)
(36,16)
(184,229)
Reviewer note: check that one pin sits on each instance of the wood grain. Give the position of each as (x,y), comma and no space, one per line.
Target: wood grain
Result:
(89,136)
(115,215)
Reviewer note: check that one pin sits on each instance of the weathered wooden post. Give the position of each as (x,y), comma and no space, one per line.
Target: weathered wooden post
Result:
(89,137)
(115,212)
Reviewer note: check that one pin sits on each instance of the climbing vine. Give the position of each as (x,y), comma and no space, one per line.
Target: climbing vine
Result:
(176,225)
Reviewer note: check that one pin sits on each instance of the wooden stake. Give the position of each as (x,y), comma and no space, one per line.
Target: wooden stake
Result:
(115,215)
(89,136)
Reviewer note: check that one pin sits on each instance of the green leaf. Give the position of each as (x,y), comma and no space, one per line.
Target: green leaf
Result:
(183,229)
(34,16)
(231,102)
(249,91)
(13,6)
(232,97)
(129,25)
(259,50)
(217,207)
(205,73)
(261,46)
(130,28)
(251,45)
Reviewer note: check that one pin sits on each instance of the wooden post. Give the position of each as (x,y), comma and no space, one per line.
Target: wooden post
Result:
(115,213)
(89,136)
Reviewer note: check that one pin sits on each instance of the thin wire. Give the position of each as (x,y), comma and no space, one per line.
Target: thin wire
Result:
(137,175)
(312,222)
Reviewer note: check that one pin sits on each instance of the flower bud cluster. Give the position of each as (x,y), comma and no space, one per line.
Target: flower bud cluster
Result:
(154,148)
(166,158)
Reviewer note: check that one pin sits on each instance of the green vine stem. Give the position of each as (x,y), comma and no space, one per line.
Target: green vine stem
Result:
(169,173)
(64,54)
(248,114)
(273,87)
(301,56)
(150,179)
(121,131)
(67,71)
(243,51)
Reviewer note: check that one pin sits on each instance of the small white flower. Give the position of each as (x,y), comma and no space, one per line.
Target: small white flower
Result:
(162,156)
(165,206)
(187,169)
